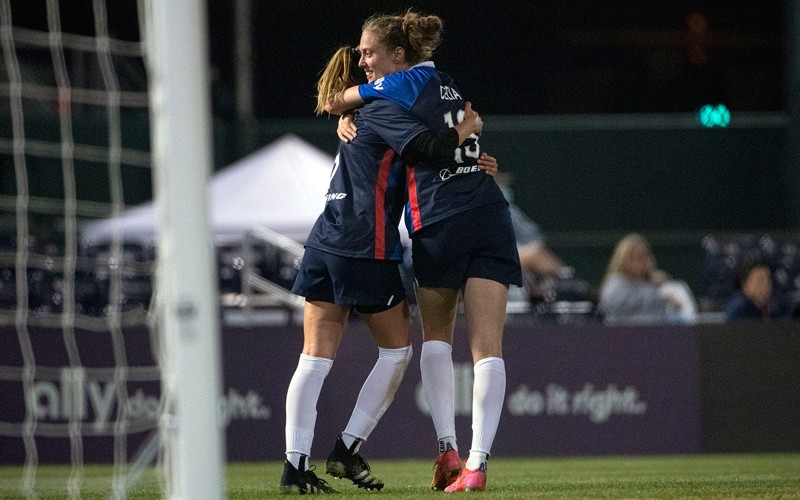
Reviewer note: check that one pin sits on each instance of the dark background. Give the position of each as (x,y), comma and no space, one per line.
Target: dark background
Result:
(590,105)
(512,57)
(543,57)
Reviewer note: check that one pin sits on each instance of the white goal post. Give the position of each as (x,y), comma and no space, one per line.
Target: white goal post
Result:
(187,295)
(77,83)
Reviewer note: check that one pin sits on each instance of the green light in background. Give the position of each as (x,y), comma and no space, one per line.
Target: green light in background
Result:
(714,115)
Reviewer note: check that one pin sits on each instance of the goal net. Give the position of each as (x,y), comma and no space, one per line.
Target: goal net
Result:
(97,98)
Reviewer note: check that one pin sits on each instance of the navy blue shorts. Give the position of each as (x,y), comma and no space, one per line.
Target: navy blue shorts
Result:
(331,278)
(477,243)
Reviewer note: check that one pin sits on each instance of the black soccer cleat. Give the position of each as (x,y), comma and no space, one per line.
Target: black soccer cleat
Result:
(303,482)
(344,463)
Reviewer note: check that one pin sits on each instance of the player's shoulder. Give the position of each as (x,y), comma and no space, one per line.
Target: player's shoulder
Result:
(423,70)
(409,79)
(445,78)
(402,87)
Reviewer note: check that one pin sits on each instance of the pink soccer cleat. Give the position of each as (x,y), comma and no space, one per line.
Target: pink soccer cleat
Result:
(445,469)
(469,480)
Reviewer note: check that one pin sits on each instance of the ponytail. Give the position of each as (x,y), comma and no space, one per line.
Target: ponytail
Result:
(340,73)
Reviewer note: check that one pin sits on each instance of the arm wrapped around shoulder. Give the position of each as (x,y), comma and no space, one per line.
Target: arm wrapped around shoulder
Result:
(431,145)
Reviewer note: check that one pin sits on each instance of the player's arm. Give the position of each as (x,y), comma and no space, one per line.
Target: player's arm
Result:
(348,100)
(433,145)
(418,143)
(401,88)
(346,129)
(432,142)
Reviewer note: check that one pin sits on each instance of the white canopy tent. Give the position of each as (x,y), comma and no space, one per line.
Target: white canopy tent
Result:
(281,187)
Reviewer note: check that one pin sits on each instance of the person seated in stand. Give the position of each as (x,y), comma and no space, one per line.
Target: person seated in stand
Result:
(751,300)
(534,255)
(634,291)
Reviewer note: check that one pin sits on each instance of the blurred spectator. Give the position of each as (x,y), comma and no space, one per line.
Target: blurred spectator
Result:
(534,255)
(634,291)
(548,284)
(751,300)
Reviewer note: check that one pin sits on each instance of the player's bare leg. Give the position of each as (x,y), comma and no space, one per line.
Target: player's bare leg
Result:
(390,329)
(438,307)
(485,311)
(323,326)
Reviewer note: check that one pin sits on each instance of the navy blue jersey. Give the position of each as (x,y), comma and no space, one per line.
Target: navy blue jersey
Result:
(440,189)
(365,198)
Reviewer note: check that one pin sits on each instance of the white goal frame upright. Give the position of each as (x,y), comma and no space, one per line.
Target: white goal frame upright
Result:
(187,306)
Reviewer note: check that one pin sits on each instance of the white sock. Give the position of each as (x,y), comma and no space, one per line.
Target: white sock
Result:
(349,439)
(436,367)
(301,406)
(447,443)
(377,393)
(488,393)
(476,458)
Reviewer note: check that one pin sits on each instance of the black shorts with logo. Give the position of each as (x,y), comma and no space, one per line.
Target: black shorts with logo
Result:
(477,243)
(331,278)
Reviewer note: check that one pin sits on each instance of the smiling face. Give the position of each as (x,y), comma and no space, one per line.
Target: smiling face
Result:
(376,60)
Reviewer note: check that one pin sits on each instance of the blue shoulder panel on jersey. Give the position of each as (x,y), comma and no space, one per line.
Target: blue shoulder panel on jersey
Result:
(402,88)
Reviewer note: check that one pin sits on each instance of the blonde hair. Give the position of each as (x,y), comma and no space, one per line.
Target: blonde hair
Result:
(622,255)
(419,35)
(340,73)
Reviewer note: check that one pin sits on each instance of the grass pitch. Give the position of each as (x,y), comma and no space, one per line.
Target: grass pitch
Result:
(695,476)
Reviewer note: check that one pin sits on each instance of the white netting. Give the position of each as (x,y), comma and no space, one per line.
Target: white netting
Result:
(74,144)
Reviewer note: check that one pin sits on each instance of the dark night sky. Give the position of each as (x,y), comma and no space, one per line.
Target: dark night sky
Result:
(513,57)
(548,56)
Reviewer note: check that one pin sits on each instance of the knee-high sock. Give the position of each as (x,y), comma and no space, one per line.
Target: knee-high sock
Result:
(301,405)
(488,393)
(436,367)
(377,393)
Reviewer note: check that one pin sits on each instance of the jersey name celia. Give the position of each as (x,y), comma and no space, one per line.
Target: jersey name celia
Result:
(421,99)
(449,93)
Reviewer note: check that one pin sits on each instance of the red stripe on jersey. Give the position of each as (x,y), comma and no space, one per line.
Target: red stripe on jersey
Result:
(412,198)
(381,184)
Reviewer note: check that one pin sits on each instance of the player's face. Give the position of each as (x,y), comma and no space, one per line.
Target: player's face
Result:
(376,60)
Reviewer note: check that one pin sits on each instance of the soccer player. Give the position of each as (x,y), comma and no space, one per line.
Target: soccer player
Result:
(462,236)
(351,262)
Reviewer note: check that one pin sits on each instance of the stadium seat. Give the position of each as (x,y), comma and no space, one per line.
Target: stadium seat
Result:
(723,255)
